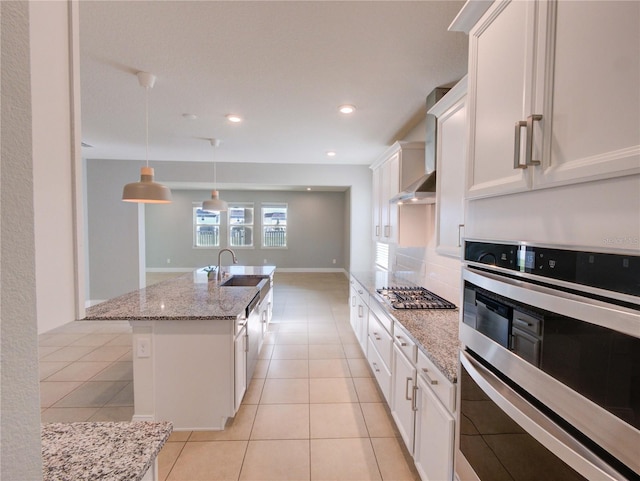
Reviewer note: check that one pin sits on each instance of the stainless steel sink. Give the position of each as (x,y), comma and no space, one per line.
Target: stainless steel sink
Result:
(261,282)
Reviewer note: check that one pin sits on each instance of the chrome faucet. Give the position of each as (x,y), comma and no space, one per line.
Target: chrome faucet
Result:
(235,261)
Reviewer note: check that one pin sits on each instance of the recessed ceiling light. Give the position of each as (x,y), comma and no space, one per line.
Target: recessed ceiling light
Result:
(331,153)
(234,118)
(190,116)
(308,188)
(347,109)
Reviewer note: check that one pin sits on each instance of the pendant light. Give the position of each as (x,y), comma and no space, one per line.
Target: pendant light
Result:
(215,203)
(146,191)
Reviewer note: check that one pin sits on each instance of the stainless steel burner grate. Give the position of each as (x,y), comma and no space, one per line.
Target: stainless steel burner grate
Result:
(413,298)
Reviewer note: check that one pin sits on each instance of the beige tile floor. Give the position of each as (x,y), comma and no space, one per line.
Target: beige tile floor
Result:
(312,410)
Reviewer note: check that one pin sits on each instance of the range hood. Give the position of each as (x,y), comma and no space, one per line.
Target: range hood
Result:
(423,190)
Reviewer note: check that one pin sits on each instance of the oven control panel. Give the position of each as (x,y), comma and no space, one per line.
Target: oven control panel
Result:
(618,272)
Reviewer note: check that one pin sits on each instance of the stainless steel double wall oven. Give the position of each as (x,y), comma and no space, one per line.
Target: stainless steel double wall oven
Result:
(550,364)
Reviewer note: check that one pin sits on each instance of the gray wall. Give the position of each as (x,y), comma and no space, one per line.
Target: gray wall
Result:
(315,231)
(113,237)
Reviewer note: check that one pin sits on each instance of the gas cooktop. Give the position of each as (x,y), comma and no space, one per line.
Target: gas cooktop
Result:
(413,298)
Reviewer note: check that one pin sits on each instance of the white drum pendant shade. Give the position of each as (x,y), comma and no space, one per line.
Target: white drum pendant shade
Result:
(146,191)
(215,203)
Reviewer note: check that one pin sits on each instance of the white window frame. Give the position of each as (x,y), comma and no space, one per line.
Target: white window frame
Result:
(250,225)
(195,207)
(264,226)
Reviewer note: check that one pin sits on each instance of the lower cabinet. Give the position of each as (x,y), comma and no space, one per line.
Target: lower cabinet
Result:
(240,345)
(434,435)
(359,312)
(402,396)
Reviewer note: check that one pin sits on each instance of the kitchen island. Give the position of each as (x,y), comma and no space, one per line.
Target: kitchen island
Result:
(195,343)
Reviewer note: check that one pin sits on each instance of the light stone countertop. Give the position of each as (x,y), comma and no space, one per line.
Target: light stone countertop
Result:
(107,451)
(435,331)
(188,297)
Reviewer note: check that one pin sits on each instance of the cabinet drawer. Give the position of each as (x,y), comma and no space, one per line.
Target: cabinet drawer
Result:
(380,371)
(380,338)
(382,317)
(404,342)
(444,389)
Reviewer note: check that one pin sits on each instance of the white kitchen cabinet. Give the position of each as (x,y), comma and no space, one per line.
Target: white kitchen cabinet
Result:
(435,422)
(434,436)
(553,95)
(240,361)
(399,166)
(451,112)
(402,395)
(380,345)
(359,312)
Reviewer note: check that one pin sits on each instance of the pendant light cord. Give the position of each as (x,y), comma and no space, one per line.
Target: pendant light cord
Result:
(146,109)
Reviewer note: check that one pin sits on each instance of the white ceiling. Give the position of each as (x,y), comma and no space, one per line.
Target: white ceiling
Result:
(285,66)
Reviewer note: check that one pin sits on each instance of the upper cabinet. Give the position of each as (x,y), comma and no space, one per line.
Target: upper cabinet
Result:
(404,225)
(553,95)
(451,112)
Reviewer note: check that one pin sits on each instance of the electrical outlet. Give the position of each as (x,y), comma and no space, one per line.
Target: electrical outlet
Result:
(168,260)
(143,347)
(265,261)
(334,261)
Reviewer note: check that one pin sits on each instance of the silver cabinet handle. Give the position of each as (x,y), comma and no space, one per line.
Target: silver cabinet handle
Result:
(360,311)
(387,231)
(375,367)
(528,150)
(406,389)
(377,231)
(377,336)
(353,301)
(402,343)
(516,144)
(529,147)
(246,343)
(414,403)
(460,227)
(425,371)
(360,291)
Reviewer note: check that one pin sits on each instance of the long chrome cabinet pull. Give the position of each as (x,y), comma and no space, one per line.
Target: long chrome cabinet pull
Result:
(529,147)
(406,389)
(414,403)
(516,144)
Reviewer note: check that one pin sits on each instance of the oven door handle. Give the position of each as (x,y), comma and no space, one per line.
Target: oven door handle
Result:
(539,426)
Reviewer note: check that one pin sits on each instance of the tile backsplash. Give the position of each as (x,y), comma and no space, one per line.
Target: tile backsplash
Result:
(424,266)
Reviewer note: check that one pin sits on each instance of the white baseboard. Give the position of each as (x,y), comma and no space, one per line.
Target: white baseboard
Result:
(142,417)
(309,269)
(170,269)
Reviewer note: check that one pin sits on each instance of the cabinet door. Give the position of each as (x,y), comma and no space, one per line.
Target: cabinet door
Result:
(377,204)
(451,151)
(402,392)
(592,96)
(434,436)
(240,367)
(390,187)
(501,59)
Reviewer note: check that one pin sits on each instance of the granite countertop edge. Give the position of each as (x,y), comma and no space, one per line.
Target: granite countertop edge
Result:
(435,332)
(92,451)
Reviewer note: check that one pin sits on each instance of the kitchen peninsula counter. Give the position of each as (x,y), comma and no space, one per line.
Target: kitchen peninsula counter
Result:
(435,331)
(187,297)
(93,451)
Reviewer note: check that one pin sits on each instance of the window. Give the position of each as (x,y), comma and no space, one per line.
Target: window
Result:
(206,227)
(274,225)
(382,255)
(241,225)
